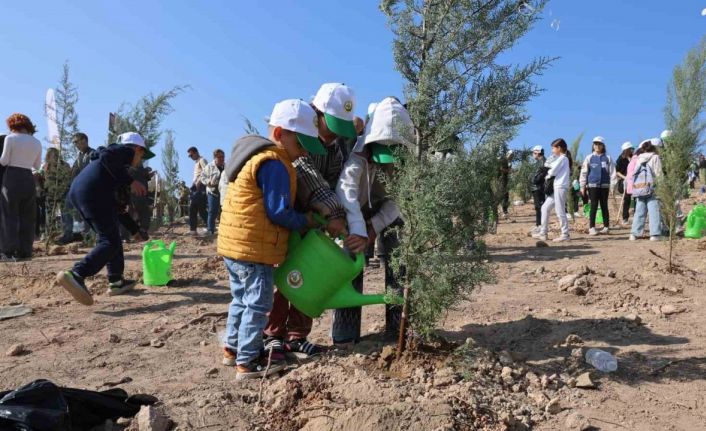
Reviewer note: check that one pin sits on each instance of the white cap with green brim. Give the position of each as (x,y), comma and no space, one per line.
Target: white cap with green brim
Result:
(389,125)
(297,116)
(336,102)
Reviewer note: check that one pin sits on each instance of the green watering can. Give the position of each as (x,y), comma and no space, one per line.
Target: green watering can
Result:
(587,213)
(157,263)
(317,275)
(696,222)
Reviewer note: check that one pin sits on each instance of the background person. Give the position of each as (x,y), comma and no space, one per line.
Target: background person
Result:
(197,197)
(596,173)
(538,185)
(93,193)
(211,177)
(69,213)
(558,176)
(21,154)
(646,158)
(621,171)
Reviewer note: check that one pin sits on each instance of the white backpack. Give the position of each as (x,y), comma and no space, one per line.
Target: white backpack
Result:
(643,183)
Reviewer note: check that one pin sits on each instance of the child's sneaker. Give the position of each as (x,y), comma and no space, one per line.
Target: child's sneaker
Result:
(562,238)
(120,287)
(277,346)
(75,286)
(632,238)
(605,230)
(592,231)
(229,357)
(258,368)
(302,349)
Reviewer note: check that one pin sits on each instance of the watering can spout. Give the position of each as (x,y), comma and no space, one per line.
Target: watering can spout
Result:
(172,247)
(346,297)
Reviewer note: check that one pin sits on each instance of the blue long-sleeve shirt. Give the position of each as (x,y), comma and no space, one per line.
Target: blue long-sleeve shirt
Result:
(273,180)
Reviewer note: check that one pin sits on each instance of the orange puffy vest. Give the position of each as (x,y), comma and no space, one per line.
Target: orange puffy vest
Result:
(245,232)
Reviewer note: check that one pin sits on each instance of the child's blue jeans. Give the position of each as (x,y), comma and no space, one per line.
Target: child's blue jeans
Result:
(251,285)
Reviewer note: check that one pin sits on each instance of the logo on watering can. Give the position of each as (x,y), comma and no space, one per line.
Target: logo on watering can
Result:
(295,279)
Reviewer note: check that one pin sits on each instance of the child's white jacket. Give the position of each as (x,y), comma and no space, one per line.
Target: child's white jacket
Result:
(355,191)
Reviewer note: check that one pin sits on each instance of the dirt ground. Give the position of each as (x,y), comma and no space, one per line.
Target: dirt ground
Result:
(510,358)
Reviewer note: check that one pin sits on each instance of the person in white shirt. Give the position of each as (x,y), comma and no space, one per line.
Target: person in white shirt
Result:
(369,209)
(211,177)
(560,174)
(197,197)
(21,154)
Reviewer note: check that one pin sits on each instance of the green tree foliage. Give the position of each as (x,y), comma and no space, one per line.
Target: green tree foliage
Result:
(170,172)
(457,91)
(145,117)
(575,171)
(66,116)
(523,170)
(686,100)
(55,178)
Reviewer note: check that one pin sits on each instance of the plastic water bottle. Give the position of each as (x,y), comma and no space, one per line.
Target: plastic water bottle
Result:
(602,360)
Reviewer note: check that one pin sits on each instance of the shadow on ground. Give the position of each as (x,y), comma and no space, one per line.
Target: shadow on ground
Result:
(540,342)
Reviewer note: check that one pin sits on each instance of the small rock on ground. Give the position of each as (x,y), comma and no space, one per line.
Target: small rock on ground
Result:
(577,422)
(16,350)
(553,407)
(584,381)
(150,418)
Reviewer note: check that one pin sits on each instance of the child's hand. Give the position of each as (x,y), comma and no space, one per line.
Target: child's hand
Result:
(356,243)
(138,188)
(336,227)
(311,222)
(372,236)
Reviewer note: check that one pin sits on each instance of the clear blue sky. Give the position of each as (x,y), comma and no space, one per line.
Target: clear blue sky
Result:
(240,57)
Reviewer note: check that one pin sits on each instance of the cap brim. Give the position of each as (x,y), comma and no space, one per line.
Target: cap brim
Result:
(148,154)
(311,144)
(382,154)
(340,127)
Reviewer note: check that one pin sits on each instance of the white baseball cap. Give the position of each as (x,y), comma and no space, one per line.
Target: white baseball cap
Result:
(537,149)
(337,102)
(132,138)
(599,139)
(665,134)
(297,116)
(626,145)
(657,142)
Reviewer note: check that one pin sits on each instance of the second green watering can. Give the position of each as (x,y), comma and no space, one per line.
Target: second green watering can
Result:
(587,213)
(157,263)
(696,222)
(317,275)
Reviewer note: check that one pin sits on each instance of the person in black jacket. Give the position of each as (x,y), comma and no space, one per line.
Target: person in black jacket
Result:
(538,185)
(93,194)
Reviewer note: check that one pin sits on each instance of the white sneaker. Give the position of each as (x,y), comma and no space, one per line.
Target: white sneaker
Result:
(605,230)
(562,238)
(592,231)
(633,238)
(656,238)
(540,236)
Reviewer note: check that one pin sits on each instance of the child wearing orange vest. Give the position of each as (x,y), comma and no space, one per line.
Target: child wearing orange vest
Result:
(256,219)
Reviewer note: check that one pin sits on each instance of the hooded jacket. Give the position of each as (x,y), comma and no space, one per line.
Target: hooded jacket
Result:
(359,188)
(653,161)
(246,233)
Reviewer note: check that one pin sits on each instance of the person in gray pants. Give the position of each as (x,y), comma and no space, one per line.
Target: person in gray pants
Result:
(18,205)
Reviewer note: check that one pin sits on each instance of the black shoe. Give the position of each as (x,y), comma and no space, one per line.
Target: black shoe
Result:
(120,287)
(258,368)
(302,349)
(75,286)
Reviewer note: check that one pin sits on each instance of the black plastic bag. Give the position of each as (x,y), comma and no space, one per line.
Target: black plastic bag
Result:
(43,406)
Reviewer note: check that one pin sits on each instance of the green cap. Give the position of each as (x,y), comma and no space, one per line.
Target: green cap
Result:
(382,153)
(311,144)
(340,127)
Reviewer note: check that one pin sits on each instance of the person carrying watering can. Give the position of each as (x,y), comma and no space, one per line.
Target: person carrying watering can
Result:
(93,194)
(369,209)
(256,219)
(288,328)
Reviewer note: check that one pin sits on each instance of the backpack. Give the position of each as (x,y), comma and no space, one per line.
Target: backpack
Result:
(643,183)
